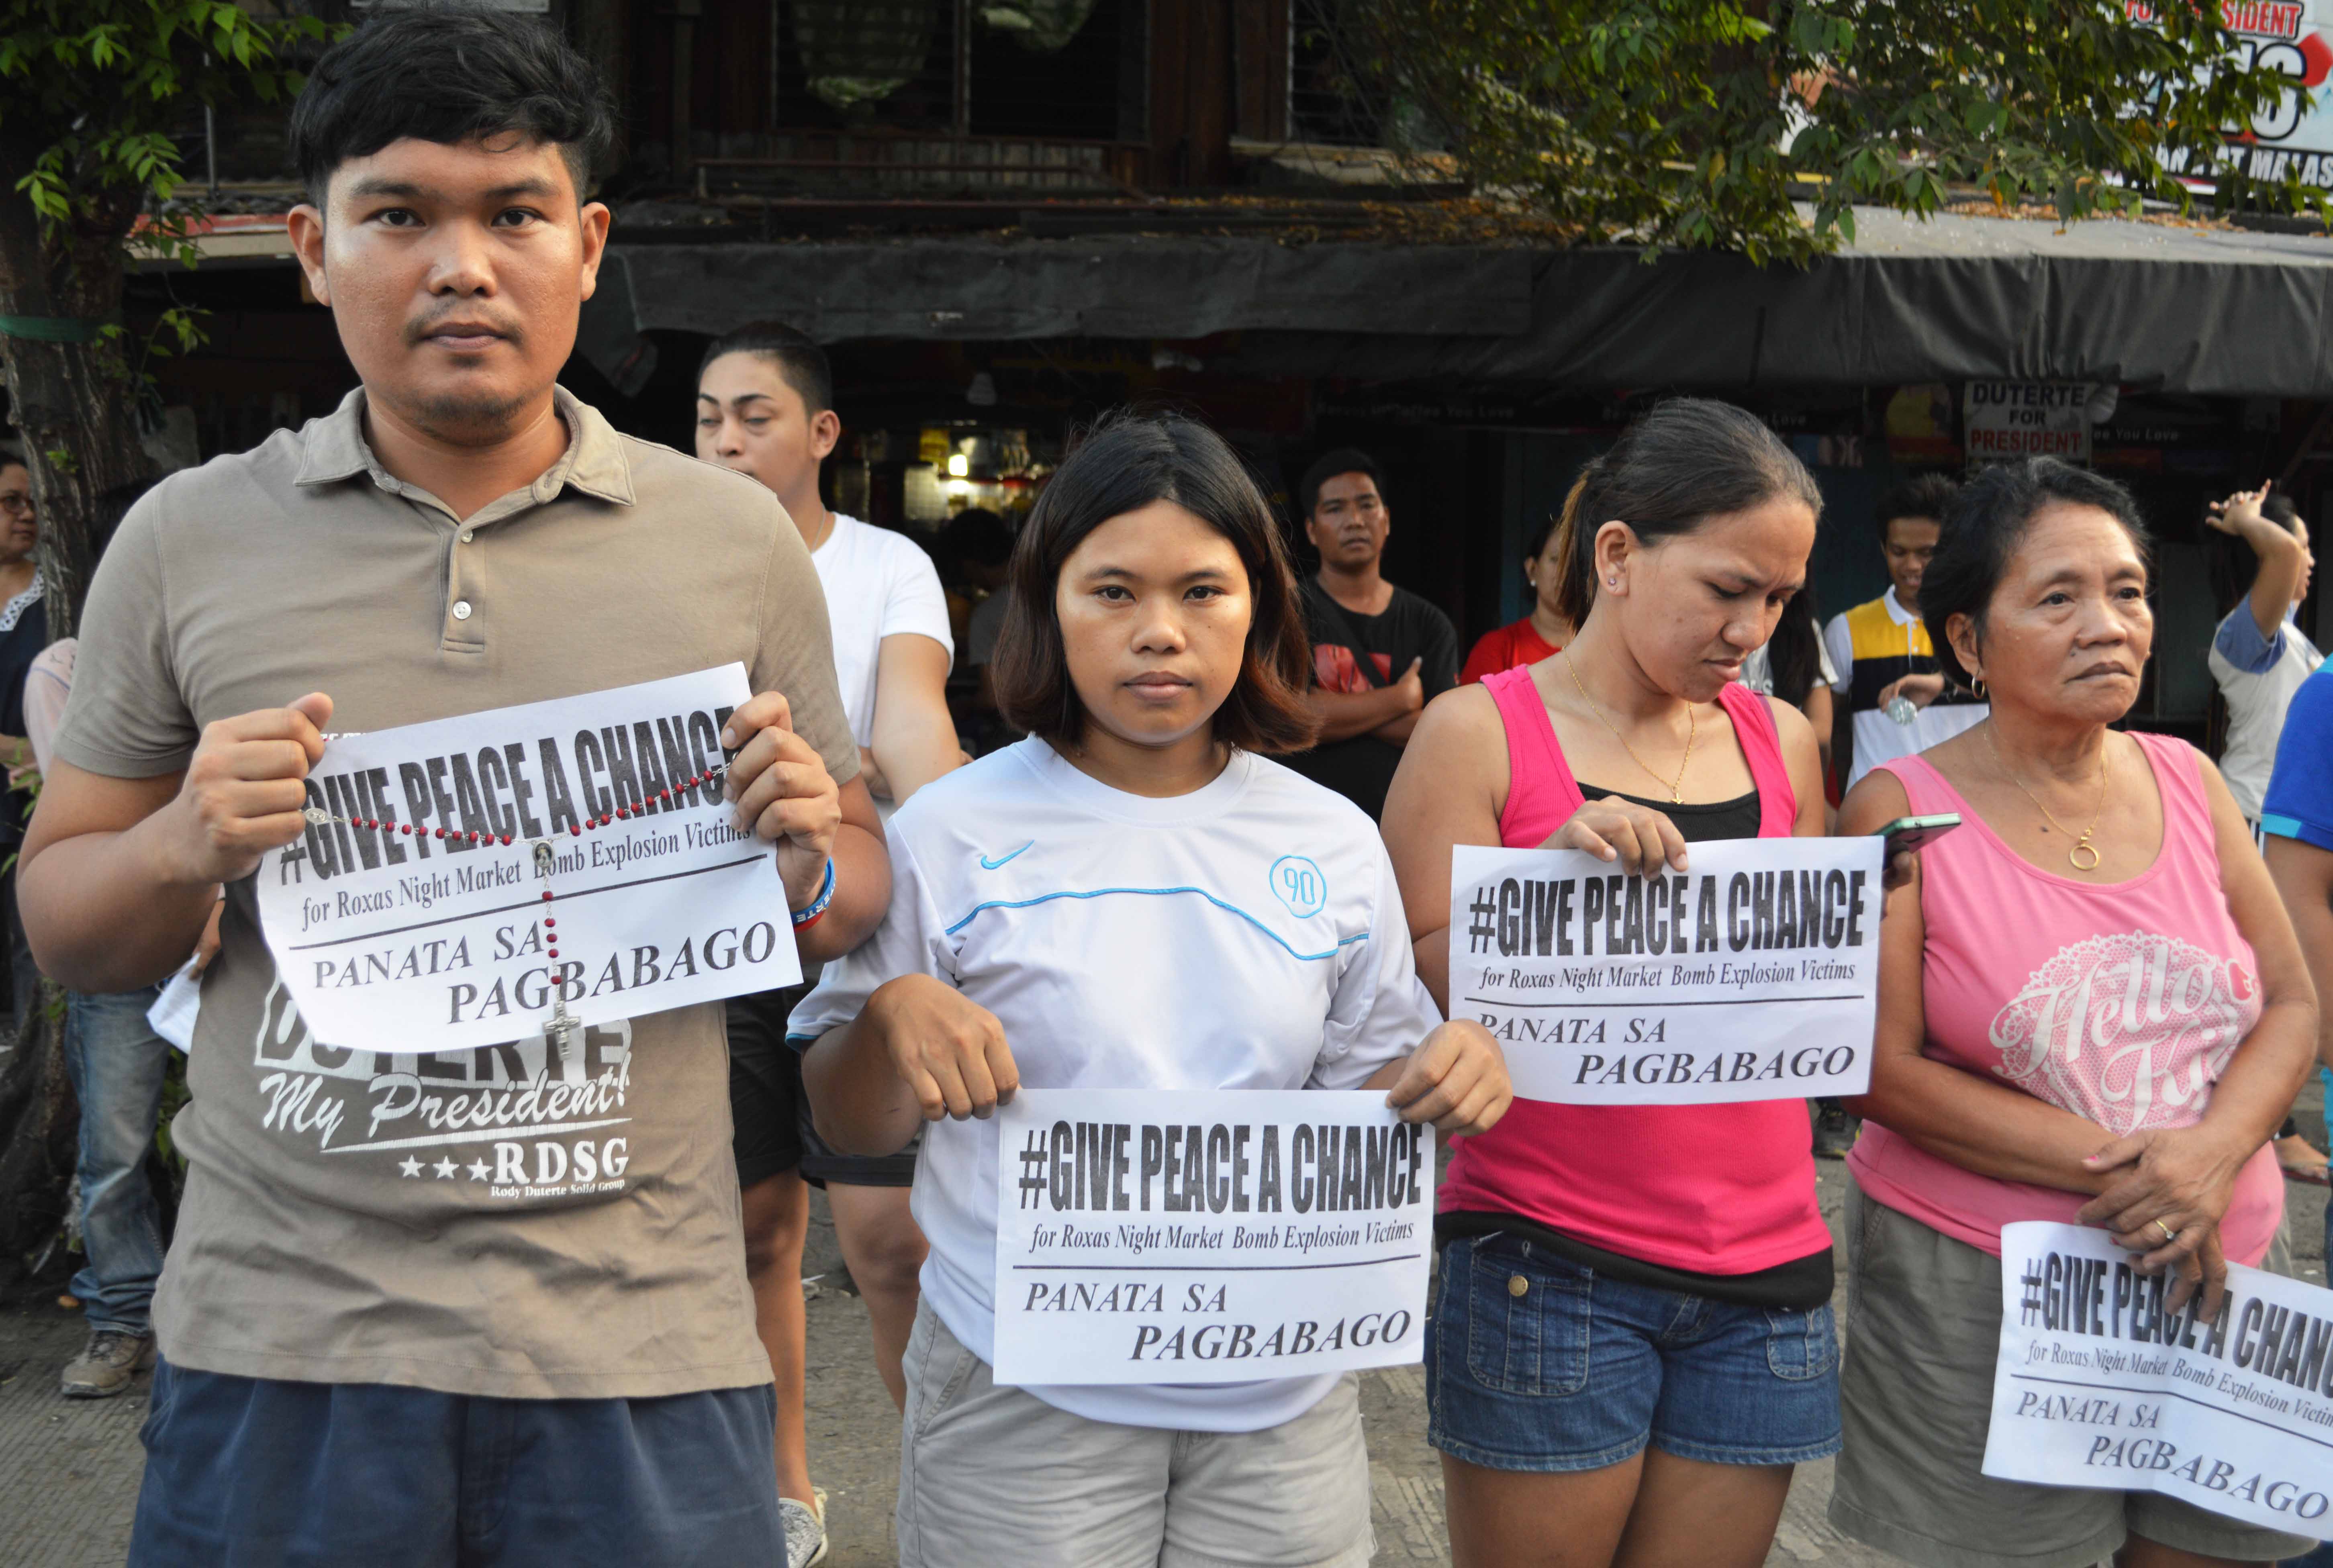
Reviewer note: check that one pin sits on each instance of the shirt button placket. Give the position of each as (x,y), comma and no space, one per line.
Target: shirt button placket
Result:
(463,574)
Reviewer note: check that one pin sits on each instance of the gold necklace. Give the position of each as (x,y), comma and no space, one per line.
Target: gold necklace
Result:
(1692,724)
(2082,846)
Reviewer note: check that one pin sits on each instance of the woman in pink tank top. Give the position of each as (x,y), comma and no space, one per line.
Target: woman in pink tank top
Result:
(2092,1010)
(1633,1341)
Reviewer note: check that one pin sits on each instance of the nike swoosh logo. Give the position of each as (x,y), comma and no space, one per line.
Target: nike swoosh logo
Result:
(988,865)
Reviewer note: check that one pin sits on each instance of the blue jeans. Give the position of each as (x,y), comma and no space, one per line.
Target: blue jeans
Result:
(258,1473)
(1535,1364)
(115,1062)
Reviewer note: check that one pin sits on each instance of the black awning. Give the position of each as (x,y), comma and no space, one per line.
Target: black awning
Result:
(2146,304)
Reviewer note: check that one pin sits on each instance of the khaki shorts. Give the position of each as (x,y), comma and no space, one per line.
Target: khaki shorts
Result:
(1910,1479)
(995,1474)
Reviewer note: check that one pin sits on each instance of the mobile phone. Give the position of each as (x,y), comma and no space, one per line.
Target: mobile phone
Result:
(1913,833)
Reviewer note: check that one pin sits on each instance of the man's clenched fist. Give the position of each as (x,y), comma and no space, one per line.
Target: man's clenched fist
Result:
(244,790)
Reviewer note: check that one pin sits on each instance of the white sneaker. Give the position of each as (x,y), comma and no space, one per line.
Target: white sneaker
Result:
(805,1533)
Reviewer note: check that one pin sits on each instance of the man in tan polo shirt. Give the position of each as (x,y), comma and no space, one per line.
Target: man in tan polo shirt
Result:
(374,1354)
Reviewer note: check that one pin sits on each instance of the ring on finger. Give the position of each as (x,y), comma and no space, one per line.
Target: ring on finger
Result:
(2168,1234)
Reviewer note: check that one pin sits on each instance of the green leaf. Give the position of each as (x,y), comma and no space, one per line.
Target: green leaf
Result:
(1661,121)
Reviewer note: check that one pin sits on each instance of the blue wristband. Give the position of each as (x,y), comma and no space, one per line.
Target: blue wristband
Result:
(817,906)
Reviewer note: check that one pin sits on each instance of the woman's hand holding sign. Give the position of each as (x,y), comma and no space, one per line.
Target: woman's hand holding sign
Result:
(783,793)
(1457,1080)
(1643,840)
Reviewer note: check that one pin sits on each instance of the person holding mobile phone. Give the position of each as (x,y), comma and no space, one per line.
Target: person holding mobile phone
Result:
(2119,1054)
(1633,1343)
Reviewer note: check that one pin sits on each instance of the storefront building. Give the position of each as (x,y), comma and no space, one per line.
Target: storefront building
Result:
(1173,204)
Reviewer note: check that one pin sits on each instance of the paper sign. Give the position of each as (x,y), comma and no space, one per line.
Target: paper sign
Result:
(1201,1236)
(412,936)
(2004,421)
(2097,1385)
(1751,977)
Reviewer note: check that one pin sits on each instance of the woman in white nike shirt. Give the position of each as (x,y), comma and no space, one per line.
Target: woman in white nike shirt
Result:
(1094,907)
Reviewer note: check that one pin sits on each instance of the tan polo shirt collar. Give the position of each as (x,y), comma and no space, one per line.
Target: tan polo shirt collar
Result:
(333,449)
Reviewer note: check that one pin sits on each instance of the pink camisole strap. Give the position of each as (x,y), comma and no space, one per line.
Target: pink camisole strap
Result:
(1541,793)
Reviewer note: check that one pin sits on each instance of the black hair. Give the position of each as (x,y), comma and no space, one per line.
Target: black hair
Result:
(1988,521)
(1326,467)
(1124,462)
(975,534)
(1928,495)
(800,361)
(1680,464)
(1535,544)
(1794,653)
(447,72)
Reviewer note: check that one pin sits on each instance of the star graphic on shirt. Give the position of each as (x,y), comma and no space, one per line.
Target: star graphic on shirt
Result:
(477,1169)
(409,1166)
(445,1168)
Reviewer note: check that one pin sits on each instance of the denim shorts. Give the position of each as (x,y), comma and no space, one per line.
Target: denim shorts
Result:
(1535,1363)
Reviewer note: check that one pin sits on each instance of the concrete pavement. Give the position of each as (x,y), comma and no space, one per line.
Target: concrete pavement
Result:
(69,1471)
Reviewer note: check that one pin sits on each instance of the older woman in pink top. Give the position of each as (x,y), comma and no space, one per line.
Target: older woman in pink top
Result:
(2092,1010)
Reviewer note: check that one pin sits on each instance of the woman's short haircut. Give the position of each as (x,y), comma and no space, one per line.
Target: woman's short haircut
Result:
(1124,463)
(1681,464)
(799,361)
(446,73)
(1988,521)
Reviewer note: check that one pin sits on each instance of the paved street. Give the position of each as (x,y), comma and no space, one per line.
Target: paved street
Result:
(69,1472)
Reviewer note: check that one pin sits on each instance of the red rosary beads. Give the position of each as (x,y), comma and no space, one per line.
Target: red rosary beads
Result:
(319,816)
(560,1024)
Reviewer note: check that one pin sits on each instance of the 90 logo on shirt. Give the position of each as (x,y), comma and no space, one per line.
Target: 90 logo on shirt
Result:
(1299,884)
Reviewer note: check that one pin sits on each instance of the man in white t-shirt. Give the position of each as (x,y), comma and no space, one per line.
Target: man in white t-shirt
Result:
(764,407)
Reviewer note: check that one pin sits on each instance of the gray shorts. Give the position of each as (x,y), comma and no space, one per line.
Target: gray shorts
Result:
(996,1475)
(1917,1414)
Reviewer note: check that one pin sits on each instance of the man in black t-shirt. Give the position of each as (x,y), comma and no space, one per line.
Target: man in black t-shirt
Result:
(1379,652)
